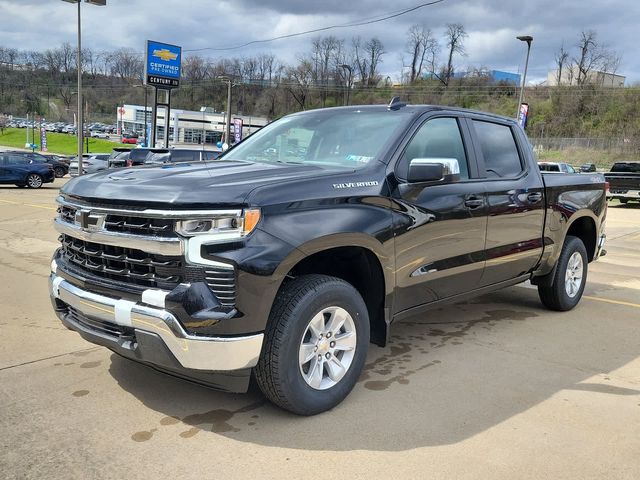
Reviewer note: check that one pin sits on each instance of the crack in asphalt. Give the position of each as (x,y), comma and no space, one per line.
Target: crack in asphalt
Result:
(48,358)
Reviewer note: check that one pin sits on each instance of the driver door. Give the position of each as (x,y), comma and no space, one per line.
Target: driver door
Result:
(440,227)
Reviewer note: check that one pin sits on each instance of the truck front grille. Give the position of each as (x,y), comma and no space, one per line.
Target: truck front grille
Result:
(129,224)
(123,264)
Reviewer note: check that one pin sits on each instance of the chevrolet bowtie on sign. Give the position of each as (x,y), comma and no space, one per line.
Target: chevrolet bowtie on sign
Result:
(162,64)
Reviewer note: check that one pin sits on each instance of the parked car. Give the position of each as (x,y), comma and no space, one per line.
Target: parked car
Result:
(91,163)
(135,157)
(624,181)
(117,158)
(60,168)
(130,138)
(588,168)
(100,134)
(24,171)
(556,167)
(287,265)
(175,155)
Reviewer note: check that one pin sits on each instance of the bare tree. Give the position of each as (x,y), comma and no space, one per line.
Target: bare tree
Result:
(590,56)
(126,64)
(300,79)
(561,59)
(455,36)
(360,60)
(374,50)
(422,49)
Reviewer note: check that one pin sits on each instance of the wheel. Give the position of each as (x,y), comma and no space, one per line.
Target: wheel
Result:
(34,180)
(623,200)
(59,172)
(315,344)
(569,279)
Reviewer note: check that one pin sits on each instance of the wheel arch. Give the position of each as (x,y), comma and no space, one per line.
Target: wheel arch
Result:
(359,260)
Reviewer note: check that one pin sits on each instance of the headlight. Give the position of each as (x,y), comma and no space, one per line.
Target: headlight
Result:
(231,226)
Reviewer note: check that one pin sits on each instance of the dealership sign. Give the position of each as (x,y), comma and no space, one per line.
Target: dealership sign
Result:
(162,64)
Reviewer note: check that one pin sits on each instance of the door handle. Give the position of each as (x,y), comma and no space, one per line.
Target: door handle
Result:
(534,197)
(474,202)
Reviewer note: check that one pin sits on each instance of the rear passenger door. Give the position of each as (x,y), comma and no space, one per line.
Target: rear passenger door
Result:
(515,198)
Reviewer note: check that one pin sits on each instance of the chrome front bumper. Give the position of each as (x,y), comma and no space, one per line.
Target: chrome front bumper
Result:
(192,352)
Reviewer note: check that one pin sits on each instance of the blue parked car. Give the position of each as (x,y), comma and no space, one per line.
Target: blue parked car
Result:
(19,169)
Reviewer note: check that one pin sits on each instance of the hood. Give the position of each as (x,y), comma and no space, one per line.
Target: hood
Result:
(223,182)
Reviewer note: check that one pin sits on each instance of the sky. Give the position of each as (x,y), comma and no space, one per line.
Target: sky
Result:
(492,26)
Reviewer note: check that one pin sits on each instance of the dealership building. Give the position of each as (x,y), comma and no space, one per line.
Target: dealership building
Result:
(186,127)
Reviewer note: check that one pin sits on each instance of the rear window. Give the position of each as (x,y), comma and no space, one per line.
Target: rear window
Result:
(626,167)
(545,167)
(185,155)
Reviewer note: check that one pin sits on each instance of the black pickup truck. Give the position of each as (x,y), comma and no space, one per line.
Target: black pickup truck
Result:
(302,244)
(624,181)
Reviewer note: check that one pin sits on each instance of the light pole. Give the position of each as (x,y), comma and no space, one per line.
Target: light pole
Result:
(528,39)
(146,140)
(80,126)
(347,67)
(227,133)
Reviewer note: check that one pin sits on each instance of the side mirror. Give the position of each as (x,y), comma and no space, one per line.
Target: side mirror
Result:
(442,170)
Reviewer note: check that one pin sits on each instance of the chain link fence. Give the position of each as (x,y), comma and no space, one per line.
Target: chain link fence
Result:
(611,145)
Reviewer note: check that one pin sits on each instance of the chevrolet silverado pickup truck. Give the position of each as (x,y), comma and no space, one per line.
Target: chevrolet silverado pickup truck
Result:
(283,259)
(624,181)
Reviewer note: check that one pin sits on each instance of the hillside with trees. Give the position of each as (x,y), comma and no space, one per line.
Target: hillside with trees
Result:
(331,72)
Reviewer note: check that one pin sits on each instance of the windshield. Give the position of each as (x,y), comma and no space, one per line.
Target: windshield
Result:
(333,137)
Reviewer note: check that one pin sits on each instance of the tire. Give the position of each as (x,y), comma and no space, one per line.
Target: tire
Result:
(566,289)
(59,172)
(34,180)
(304,303)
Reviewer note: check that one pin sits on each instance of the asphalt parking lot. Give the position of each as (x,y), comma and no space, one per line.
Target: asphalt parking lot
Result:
(495,388)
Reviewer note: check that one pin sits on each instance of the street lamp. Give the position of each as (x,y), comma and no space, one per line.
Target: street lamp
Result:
(528,39)
(227,134)
(80,126)
(347,67)
(146,140)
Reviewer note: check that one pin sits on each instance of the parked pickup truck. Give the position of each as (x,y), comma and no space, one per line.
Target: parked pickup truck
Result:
(302,244)
(624,181)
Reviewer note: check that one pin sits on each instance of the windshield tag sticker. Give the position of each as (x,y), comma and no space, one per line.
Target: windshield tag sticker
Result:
(372,183)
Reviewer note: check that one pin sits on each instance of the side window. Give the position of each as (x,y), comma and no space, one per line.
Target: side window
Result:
(437,138)
(499,149)
(16,160)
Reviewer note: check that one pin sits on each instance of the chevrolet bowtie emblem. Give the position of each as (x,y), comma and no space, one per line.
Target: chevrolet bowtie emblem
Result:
(89,221)
(165,54)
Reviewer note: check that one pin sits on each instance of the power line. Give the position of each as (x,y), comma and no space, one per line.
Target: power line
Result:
(355,23)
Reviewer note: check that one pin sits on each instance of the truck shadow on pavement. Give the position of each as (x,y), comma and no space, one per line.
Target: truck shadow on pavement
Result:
(445,376)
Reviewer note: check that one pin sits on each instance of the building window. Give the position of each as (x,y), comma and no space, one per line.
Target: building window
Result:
(192,135)
(213,137)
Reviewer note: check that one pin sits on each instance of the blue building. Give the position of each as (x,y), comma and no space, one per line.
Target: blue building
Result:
(495,76)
